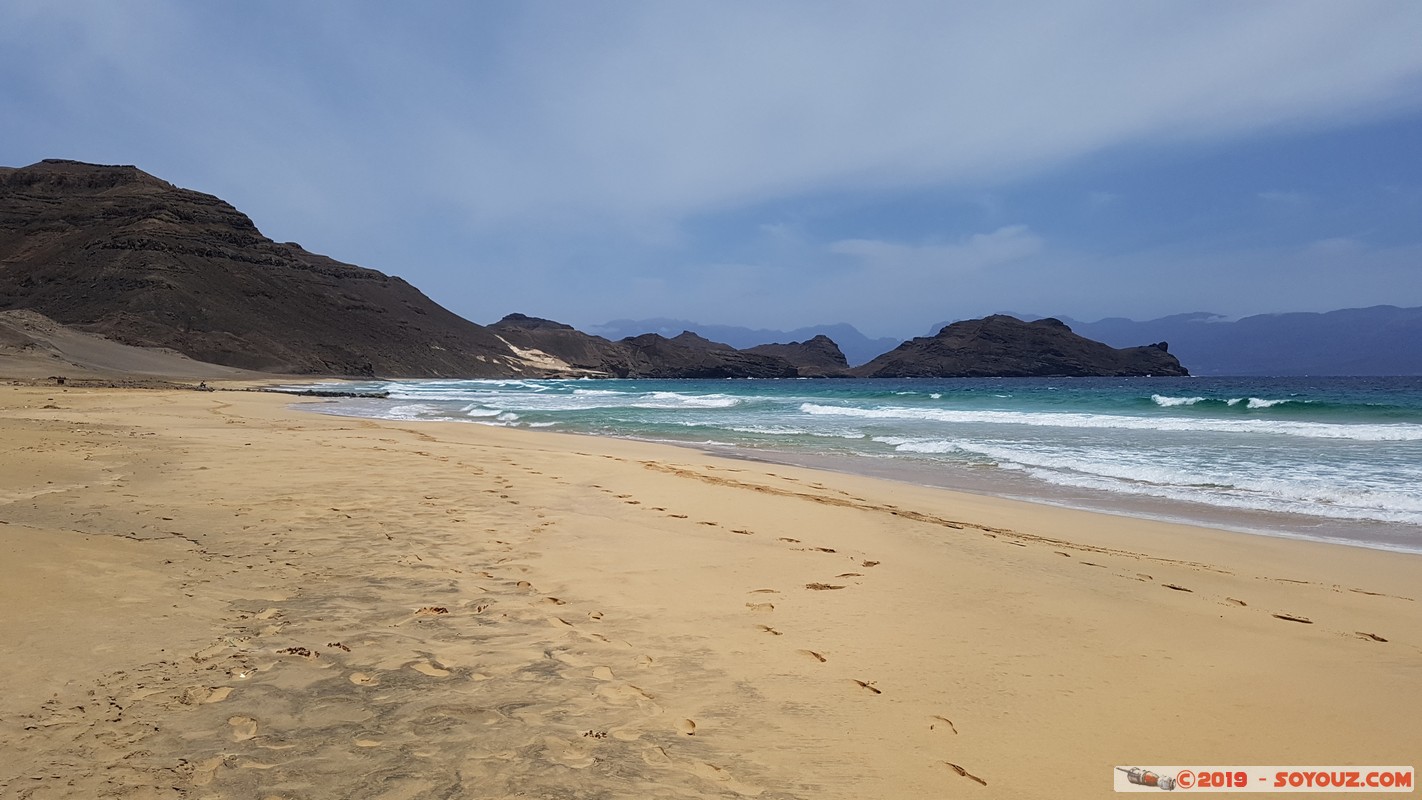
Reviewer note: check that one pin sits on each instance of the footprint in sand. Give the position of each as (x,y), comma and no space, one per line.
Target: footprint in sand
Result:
(761,608)
(603,673)
(199,695)
(815,656)
(627,694)
(687,727)
(951,726)
(205,771)
(363,679)
(243,728)
(428,668)
(576,755)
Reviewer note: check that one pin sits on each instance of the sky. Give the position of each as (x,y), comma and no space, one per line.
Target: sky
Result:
(771,164)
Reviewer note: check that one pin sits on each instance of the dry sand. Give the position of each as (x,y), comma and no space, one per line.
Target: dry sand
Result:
(213,595)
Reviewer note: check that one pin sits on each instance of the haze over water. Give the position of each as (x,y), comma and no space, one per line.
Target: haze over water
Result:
(1329,458)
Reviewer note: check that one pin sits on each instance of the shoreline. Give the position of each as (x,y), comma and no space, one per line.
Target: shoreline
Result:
(235,597)
(1380,536)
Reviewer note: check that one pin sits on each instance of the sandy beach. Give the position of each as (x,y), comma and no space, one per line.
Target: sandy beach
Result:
(217,594)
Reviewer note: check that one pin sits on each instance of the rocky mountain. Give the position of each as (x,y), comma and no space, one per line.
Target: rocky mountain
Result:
(1380,340)
(568,351)
(819,357)
(564,349)
(116,251)
(1003,346)
(856,347)
(690,356)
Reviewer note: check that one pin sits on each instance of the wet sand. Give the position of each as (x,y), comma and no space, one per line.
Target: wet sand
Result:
(216,595)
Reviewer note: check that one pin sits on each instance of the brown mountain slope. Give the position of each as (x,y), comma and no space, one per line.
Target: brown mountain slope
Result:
(116,251)
(819,357)
(1002,346)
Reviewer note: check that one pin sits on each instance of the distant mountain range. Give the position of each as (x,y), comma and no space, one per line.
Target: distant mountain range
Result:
(114,251)
(1381,340)
(857,348)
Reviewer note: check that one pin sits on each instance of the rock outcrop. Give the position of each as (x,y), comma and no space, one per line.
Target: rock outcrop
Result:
(563,349)
(818,357)
(1003,346)
(690,356)
(115,251)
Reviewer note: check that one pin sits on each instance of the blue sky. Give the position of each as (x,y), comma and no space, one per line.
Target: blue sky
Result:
(771,164)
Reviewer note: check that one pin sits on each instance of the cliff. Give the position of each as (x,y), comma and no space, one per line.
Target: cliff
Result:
(1002,346)
(115,251)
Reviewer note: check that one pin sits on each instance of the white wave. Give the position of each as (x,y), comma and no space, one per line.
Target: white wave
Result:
(507,416)
(1300,489)
(679,400)
(409,411)
(1390,432)
(474,410)
(779,430)
(1171,402)
(1255,402)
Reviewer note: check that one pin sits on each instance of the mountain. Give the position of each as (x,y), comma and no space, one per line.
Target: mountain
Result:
(115,251)
(856,347)
(1380,340)
(564,349)
(1003,346)
(568,351)
(819,357)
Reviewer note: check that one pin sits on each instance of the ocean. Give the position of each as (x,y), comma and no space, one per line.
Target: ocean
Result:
(1333,459)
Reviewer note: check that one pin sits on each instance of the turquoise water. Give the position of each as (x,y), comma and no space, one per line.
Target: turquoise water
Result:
(1329,458)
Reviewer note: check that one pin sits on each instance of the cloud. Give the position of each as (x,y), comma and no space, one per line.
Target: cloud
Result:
(1004,245)
(536,113)
(599,155)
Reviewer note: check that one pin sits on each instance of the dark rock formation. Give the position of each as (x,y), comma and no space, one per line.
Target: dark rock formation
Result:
(116,251)
(690,356)
(819,357)
(567,351)
(1002,346)
(573,353)
(856,347)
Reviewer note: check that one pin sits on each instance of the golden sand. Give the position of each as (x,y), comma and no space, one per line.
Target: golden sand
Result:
(216,595)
